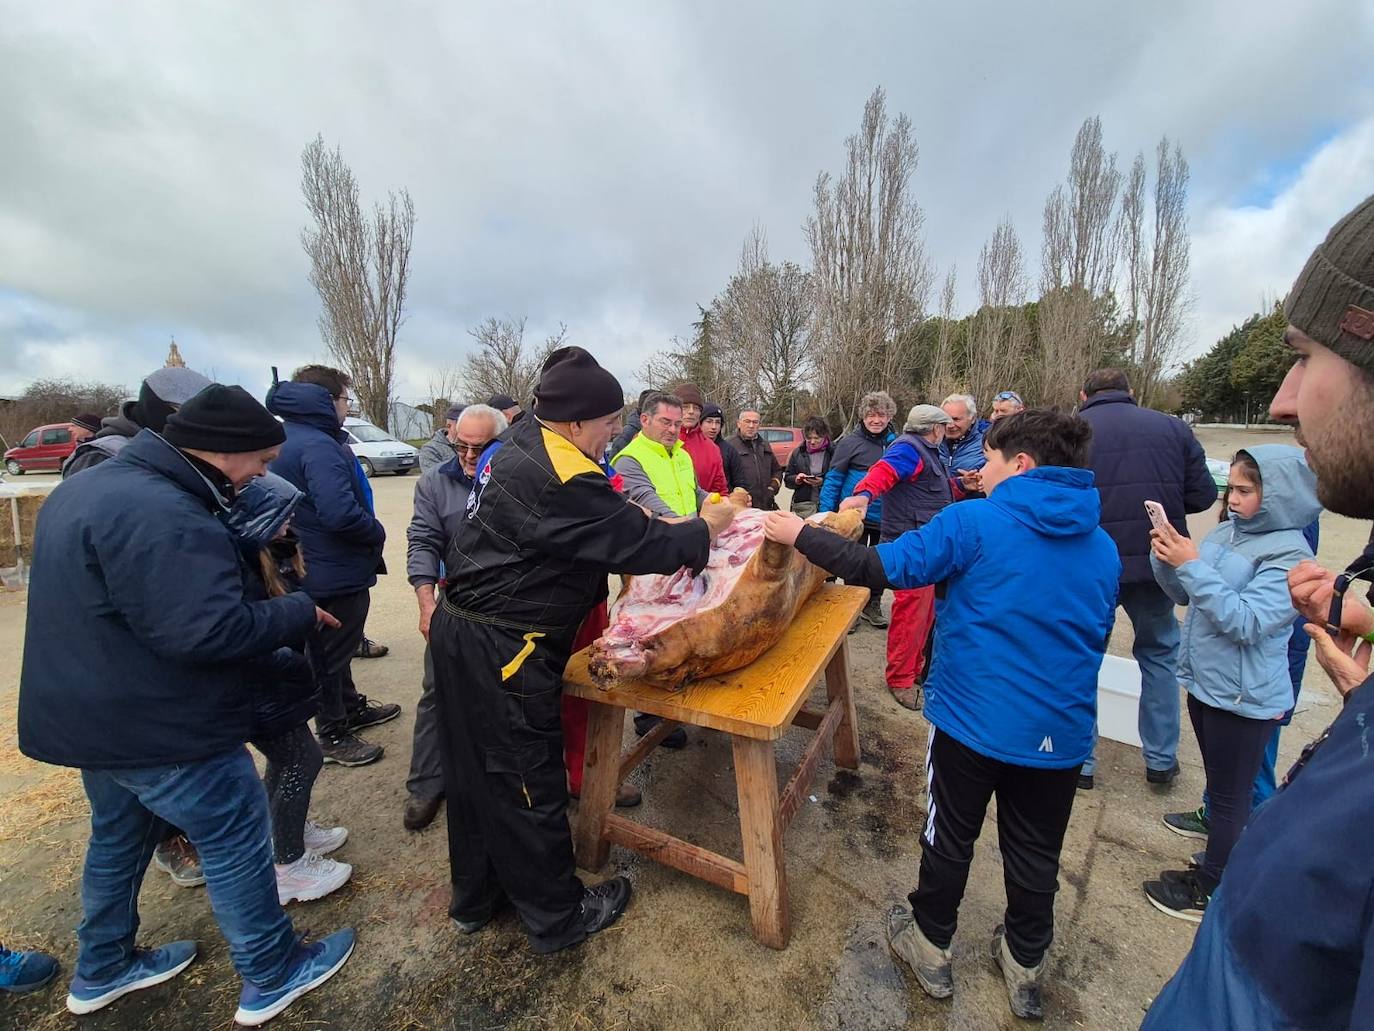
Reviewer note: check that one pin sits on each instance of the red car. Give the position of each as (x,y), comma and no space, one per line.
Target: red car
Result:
(44,449)
(783,440)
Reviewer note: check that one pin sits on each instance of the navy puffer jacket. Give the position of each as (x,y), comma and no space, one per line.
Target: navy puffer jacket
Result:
(340,537)
(1141,455)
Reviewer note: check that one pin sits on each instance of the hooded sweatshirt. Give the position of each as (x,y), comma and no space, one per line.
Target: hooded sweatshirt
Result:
(855,453)
(1030,594)
(1234,652)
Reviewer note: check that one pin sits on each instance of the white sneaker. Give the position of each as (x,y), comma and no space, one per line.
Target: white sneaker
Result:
(324,840)
(310,877)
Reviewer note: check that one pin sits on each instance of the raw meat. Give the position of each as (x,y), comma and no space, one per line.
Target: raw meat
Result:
(669,630)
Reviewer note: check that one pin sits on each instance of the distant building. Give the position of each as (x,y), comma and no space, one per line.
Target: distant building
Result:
(410,423)
(174,359)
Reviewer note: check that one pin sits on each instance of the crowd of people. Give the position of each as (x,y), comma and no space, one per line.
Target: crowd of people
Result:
(229,612)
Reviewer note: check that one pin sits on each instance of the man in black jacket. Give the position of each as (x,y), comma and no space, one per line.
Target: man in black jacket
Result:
(543,529)
(159,395)
(759,471)
(153,699)
(1141,455)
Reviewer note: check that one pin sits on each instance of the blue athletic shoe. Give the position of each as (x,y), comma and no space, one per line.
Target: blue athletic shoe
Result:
(312,966)
(25,971)
(149,967)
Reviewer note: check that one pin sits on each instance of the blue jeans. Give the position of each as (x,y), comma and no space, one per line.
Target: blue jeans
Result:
(1151,613)
(221,805)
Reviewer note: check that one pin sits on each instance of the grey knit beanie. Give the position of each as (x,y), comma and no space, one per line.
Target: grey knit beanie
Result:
(1332,300)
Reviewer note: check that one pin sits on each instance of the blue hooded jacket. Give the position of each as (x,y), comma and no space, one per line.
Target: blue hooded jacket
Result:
(855,453)
(341,539)
(1030,595)
(1234,653)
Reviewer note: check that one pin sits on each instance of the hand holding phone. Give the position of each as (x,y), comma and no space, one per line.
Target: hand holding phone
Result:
(1158,519)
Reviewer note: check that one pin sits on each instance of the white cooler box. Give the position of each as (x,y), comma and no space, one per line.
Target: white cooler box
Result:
(1118,700)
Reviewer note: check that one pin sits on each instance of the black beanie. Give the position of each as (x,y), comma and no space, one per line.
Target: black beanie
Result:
(501,402)
(573,387)
(227,420)
(1333,298)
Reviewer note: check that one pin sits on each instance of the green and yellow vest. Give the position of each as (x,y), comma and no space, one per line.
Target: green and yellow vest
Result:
(673,477)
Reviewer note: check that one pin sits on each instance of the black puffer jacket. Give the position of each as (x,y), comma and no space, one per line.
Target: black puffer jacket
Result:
(800,463)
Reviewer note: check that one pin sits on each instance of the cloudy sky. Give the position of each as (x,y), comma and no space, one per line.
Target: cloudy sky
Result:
(600,164)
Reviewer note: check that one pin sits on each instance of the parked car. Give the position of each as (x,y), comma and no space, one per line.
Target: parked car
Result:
(379,451)
(44,449)
(783,440)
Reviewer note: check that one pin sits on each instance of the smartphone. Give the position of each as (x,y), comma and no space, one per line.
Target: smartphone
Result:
(1156,513)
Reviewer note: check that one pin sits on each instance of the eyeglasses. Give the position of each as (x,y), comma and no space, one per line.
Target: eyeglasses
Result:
(1009,395)
(471,449)
(1361,569)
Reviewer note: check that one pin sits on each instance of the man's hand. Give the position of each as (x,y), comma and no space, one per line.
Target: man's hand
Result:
(858,501)
(323,619)
(1311,588)
(1171,547)
(971,480)
(783,527)
(740,496)
(1344,657)
(424,594)
(717,517)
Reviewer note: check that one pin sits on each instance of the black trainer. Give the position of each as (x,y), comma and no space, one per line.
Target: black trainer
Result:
(349,750)
(370,714)
(1086,782)
(603,903)
(645,722)
(1179,893)
(1162,776)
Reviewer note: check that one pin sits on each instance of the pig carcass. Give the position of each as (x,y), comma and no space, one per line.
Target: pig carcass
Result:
(669,630)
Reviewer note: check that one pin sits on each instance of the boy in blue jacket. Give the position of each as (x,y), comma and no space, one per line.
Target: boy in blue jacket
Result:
(1013,687)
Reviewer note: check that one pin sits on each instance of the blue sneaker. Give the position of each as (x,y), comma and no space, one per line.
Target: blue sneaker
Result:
(149,967)
(25,971)
(312,966)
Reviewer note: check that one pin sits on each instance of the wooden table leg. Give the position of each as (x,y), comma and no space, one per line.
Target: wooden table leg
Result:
(837,689)
(756,778)
(600,780)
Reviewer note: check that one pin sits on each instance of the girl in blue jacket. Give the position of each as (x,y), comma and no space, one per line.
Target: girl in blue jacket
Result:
(1233,660)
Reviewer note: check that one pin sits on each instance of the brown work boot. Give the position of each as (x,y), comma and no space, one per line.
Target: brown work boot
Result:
(907,697)
(932,965)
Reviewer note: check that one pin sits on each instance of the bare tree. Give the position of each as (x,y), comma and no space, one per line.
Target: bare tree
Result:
(869,265)
(1156,257)
(446,386)
(57,400)
(944,376)
(998,336)
(1078,265)
(359,265)
(502,364)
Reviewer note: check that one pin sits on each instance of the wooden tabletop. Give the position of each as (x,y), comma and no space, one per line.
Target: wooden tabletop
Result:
(757,701)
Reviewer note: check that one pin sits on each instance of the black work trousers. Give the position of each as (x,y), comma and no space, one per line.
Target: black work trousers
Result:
(498,695)
(331,657)
(1232,748)
(1033,807)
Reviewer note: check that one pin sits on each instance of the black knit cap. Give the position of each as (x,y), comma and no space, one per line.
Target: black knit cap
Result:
(1332,300)
(227,420)
(502,401)
(573,386)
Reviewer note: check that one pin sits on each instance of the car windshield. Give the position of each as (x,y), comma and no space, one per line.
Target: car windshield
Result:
(369,434)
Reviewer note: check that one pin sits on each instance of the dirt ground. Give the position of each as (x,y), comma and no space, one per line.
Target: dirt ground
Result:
(682,956)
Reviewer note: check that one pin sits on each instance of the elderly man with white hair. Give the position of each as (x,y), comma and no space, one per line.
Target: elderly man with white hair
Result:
(912,481)
(441,497)
(962,448)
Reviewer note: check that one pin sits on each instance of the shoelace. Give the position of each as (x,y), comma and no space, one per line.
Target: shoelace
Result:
(604,890)
(9,958)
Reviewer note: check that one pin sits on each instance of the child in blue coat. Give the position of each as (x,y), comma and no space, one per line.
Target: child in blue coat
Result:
(1013,685)
(1233,660)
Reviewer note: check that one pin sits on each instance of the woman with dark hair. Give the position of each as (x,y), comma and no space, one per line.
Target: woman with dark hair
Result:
(808,465)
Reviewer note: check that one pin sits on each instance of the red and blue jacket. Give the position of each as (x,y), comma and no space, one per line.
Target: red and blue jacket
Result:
(915,483)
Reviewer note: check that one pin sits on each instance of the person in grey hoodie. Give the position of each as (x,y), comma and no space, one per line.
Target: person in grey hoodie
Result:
(441,498)
(439,448)
(1234,657)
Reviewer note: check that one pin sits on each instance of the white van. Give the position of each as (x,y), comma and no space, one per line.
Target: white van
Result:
(379,451)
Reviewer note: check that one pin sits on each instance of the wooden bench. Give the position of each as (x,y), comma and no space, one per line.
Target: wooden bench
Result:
(755,706)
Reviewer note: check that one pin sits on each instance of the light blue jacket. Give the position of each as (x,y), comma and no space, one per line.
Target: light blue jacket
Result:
(1234,654)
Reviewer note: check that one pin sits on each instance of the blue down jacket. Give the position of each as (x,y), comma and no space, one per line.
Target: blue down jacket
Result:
(855,453)
(340,537)
(1234,654)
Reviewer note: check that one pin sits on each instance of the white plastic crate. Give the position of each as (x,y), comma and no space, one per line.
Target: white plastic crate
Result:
(1118,700)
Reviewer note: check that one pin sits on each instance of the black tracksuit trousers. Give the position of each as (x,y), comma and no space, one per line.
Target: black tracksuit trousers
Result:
(498,694)
(1033,807)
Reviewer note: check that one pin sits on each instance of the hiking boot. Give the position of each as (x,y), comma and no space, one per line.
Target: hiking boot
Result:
(369,649)
(603,903)
(348,749)
(310,877)
(1162,776)
(1179,893)
(645,722)
(312,966)
(323,840)
(1023,983)
(147,968)
(178,857)
(1086,782)
(370,714)
(907,697)
(22,972)
(1190,825)
(419,812)
(873,614)
(932,965)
